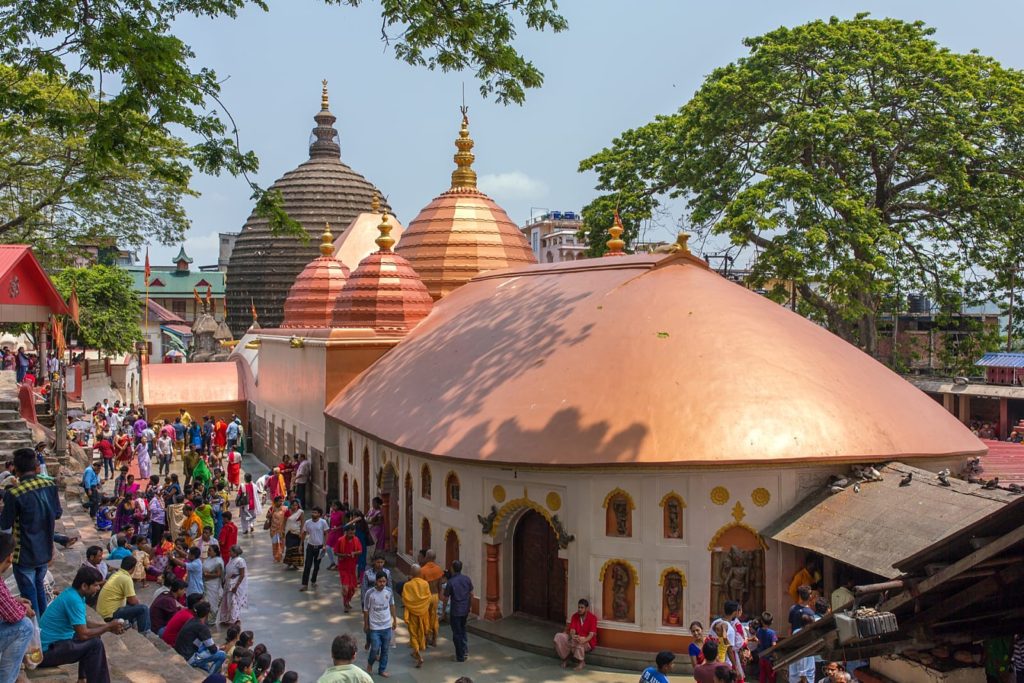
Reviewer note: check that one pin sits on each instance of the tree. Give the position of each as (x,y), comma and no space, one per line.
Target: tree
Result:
(96,96)
(109,308)
(857,157)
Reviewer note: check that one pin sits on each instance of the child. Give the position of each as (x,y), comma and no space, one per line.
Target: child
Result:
(105,515)
(143,554)
(721,630)
(243,669)
(766,638)
(231,641)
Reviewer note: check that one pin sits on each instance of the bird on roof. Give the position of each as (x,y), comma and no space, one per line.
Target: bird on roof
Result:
(856,487)
(836,489)
(991,484)
(905,481)
(944,478)
(1015,489)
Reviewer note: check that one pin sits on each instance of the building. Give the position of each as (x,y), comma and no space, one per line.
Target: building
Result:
(554,236)
(227,246)
(174,287)
(89,254)
(167,334)
(619,429)
(323,189)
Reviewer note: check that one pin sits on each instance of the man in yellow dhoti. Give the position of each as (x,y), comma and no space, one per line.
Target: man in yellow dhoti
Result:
(432,573)
(416,600)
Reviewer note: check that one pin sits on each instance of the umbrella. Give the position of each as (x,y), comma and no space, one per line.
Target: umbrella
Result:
(81,425)
(76,412)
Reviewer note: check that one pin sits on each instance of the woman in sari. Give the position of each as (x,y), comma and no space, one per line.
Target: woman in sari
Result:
(276,516)
(213,579)
(276,484)
(142,455)
(124,454)
(293,537)
(234,469)
(375,520)
(236,588)
(125,515)
(336,529)
(202,476)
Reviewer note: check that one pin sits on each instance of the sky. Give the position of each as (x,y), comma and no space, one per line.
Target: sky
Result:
(620,64)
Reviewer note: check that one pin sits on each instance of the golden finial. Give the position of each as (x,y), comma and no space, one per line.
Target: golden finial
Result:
(326,241)
(385,241)
(615,244)
(375,202)
(323,96)
(680,244)
(464,175)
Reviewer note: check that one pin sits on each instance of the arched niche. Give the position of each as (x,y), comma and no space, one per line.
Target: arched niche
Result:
(618,509)
(426,481)
(619,581)
(737,568)
(672,506)
(408,513)
(672,583)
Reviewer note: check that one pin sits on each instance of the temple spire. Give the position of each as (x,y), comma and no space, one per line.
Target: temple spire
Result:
(327,241)
(464,176)
(615,244)
(324,141)
(323,97)
(385,241)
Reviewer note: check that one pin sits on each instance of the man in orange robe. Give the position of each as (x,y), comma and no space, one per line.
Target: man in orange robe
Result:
(432,573)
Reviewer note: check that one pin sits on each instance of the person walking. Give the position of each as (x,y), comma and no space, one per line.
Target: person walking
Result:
(300,480)
(416,601)
(248,503)
(164,452)
(234,472)
(293,536)
(236,588)
(379,622)
(347,553)
(276,515)
(458,593)
(142,456)
(432,573)
(314,532)
(31,507)
(180,436)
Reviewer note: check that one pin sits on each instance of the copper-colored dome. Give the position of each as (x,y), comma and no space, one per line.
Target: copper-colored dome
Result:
(311,299)
(384,292)
(264,266)
(463,232)
(637,360)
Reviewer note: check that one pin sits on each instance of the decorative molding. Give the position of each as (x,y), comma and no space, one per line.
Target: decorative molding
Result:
(498,493)
(564,537)
(760,496)
(719,495)
(668,570)
(487,523)
(738,513)
(618,560)
(553,501)
(615,492)
(517,504)
(672,494)
(736,525)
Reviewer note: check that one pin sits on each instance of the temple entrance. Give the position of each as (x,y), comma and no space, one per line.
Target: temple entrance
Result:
(539,575)
(737,571)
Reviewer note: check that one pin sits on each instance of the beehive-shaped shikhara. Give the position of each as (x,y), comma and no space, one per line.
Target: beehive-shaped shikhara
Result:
(311,299)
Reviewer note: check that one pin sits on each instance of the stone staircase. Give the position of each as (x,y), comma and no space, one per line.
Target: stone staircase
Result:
(14,431)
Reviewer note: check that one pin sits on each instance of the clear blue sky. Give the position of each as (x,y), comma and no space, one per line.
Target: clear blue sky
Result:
(620,63)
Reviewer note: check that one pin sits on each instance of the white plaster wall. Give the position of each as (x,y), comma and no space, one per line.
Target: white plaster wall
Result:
(292,390)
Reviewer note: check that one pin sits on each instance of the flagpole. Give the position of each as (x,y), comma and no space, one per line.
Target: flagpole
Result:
(145,333)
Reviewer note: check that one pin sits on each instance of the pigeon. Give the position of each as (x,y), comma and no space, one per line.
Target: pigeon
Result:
(841,483)
(1015,489)
(991,484)
(944,473)
(836,489)
(944,478)
(856,488)
(871,474)
(905,481)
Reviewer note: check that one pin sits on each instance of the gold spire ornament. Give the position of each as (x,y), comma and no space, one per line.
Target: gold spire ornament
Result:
(615,244)
(385,241)
(464,176)
(327,241)
(323,96)
(375,202)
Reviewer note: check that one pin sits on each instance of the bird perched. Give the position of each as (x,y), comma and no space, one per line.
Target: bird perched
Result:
(991,484)
(944,478)
(836,489)
(944,472)
(856,488)
(871,474)
(905,481)
(1015,489)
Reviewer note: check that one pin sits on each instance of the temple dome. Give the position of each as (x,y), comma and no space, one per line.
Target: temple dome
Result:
(643,360)
(263,266)
(463,232)
(311,299)
(384,292)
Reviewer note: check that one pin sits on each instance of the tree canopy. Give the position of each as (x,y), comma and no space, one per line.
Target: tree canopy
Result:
(860,159)
(109,308)
(96,98)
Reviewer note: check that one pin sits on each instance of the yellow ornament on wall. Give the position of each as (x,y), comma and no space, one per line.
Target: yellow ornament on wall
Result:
(554,501)
(499,493)
(719,495)
(760,496)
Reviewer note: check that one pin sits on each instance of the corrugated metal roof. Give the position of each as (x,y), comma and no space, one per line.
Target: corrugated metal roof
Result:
(1002,359)
(885,522)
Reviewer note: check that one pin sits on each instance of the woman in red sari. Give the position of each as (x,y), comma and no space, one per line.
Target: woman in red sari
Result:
(234,469)
(220,435)
(124,454)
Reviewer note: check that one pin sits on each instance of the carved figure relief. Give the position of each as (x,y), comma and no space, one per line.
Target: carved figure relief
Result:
(620,584)
(618,514)
(737,570)
(618,591)
(672,599)
(621,510)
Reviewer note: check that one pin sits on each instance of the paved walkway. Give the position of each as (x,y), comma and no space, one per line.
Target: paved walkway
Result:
(300,627)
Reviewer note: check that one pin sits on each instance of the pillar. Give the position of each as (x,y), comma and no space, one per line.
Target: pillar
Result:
(493,609)
(965,409)
(949,403)
(1004,419)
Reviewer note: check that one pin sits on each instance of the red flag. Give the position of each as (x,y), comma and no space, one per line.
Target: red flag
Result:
(252,307)
(73,306)
(618,220)
(147,270)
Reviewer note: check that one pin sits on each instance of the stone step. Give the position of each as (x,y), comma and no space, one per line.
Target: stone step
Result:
(13,422)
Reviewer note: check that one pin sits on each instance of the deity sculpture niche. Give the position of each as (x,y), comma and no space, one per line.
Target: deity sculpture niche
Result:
(672,599)
(673,518)
(620,584)
(735,574)
(618,591)
(618,515)
(737,571)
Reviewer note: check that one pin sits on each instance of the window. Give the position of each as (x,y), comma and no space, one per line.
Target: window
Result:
(344,488)
(408,513)
(366,475)
(351,455)
(355,494)
(451,491)
(425,482)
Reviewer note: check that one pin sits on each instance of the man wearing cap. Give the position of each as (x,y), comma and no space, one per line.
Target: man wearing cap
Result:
(661,669)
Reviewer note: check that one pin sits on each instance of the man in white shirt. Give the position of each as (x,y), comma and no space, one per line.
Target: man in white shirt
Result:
(164,453)
(733,611)
(314,531)
(379,621)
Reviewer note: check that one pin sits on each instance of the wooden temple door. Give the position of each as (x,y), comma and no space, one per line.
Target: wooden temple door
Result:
(538,573)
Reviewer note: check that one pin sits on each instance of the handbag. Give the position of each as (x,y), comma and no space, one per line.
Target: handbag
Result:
(266,525)
(242,500)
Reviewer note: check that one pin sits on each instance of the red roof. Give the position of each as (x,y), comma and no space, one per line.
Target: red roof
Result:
(163,315)
(179,384)
(18,261)
(1004,460)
